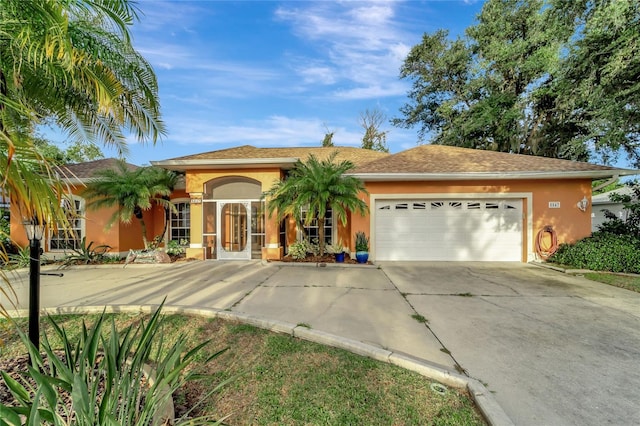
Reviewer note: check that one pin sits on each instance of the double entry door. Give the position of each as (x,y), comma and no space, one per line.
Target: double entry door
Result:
(233,221)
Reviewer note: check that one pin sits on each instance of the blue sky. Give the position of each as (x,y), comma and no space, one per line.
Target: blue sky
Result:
(280,73)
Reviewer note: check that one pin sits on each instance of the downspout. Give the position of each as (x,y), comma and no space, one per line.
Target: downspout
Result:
(609,182)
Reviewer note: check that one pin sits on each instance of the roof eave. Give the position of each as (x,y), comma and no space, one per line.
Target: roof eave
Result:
(591,174)
(235,163)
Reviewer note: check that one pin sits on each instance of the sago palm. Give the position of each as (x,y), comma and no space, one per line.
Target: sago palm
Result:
(130,191)
(317,186)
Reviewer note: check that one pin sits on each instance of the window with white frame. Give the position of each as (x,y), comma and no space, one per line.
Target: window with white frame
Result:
(69,235)
(181,222)
(312,229)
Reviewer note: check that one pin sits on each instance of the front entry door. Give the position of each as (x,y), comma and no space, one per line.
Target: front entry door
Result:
(233,230)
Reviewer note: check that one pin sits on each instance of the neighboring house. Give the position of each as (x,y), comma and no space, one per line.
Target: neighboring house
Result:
(92,224)
(602,202)
(431,202)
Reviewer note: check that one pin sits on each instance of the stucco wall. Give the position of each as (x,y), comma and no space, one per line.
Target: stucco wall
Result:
(195,181)
(569,222)
(120,236)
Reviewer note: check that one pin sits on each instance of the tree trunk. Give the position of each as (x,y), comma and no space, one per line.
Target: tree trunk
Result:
(321,235)
(143,227)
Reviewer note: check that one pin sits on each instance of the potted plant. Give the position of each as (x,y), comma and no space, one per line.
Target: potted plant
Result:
(337,250)
(362,247)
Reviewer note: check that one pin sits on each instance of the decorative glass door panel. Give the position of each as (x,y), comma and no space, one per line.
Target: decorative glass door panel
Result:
(233,230)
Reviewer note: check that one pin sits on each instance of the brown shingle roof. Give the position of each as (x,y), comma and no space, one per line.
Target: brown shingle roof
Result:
(87,169)
(357,156)
(442,159)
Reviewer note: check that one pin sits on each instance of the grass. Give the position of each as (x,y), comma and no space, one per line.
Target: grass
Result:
(622,281)
(421,319)
(286,381)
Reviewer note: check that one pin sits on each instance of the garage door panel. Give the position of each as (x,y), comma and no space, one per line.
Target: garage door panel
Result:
(449,230)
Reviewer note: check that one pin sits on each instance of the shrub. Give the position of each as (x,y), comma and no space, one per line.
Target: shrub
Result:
(631,203)
(362,242)
(298,250)
(21,258)
(601,252)
(102,355)
(177,248)
(86,254)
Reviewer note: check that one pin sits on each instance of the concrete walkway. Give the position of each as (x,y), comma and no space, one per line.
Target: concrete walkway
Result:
(359,303)
(555,349)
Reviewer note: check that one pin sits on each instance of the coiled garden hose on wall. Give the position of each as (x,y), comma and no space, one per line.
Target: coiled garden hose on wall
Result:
(544,251)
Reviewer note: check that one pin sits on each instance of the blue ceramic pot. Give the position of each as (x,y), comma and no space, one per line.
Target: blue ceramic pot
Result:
(362,256)
(339,257)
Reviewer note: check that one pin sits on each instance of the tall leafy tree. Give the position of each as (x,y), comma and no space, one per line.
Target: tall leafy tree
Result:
(598,80)
(132,191)
(75,152)
(316,186)
(555,78)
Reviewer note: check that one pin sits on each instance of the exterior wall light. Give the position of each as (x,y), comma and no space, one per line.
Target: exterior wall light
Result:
(583,204)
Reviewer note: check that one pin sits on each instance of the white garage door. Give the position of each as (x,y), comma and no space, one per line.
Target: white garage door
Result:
(444,229)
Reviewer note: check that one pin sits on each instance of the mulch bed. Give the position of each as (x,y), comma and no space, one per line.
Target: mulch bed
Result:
(327,258)
(16,368)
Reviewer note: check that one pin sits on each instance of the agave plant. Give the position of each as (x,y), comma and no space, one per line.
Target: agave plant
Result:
(86,254)
(102,373)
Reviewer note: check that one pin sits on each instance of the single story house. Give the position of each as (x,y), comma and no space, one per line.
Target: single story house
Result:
(431,202)
(602,202)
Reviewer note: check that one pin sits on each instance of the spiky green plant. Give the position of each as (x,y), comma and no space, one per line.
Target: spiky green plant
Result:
(118,360)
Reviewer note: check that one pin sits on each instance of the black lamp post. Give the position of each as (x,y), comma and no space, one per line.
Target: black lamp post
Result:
(35,232)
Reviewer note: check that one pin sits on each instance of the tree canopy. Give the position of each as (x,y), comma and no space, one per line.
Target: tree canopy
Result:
(131,191)
(555,78)
(316,186)
(74,152)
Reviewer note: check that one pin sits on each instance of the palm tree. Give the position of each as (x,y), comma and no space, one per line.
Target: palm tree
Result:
(131,191)
(70,64)
(169,179)
(317,185)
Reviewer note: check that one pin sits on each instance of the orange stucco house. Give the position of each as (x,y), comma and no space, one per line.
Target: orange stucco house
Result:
(90,224)
(430,202)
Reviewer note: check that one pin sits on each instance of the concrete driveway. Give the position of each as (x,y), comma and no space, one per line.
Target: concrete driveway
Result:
(555,349)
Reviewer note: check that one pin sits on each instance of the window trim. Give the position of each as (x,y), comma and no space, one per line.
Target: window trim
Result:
(332,226)
(174,201)
(81,216)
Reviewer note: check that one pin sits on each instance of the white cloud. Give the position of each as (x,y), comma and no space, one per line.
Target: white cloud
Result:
(361,42)
(273,131)
(372,92)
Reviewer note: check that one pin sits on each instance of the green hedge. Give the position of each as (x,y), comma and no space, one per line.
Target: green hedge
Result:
(601,252)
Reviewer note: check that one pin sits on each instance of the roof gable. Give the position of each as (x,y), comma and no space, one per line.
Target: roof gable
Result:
(248,155)
(448,160)
(87,169)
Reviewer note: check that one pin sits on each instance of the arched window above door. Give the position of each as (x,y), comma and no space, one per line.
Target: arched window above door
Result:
(232,187)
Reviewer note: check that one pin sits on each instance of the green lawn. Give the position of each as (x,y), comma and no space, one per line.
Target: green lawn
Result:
(622,281)
(286,381)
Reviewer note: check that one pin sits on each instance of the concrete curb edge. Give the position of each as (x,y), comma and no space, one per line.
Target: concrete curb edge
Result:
(489,407)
